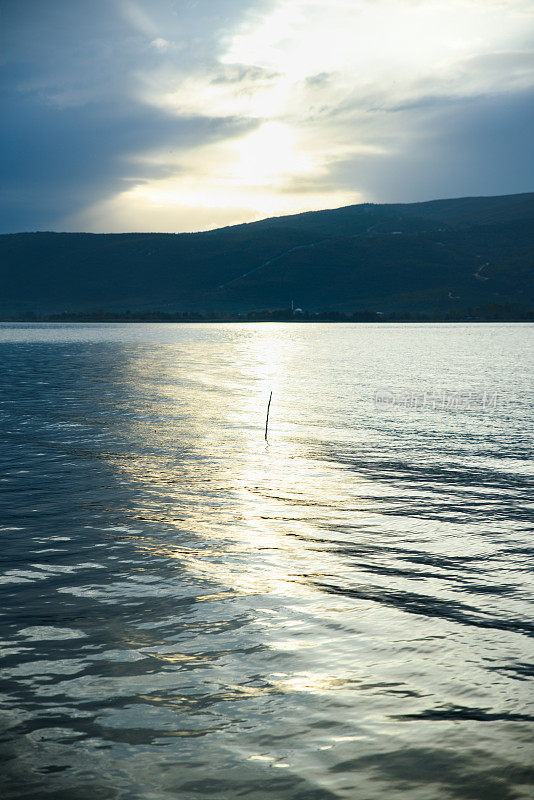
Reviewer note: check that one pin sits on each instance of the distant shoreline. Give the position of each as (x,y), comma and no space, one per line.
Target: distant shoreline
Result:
(489,313)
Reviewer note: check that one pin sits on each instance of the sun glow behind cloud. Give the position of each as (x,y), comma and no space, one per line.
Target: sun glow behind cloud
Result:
(239,179)
(317,86)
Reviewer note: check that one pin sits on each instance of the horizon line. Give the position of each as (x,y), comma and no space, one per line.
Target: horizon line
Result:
(267,219)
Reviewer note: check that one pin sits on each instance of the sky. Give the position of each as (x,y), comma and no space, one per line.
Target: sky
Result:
(186,115)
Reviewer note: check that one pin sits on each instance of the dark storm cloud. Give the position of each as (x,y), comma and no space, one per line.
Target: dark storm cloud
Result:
(58,160)
(466,146)
(72,119)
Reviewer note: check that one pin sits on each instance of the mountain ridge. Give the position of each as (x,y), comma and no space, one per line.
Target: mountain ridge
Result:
(398,256)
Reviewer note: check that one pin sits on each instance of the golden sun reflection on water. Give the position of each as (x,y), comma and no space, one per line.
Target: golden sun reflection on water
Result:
(253,507)
(262,531)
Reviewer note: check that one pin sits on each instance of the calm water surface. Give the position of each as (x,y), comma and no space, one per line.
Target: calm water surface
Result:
(190,612)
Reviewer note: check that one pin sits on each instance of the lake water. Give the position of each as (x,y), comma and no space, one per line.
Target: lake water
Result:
(189,611)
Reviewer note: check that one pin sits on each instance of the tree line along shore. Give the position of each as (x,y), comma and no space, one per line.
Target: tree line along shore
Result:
(491,312)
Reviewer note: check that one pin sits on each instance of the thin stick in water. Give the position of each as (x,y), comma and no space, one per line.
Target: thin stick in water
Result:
(267,418)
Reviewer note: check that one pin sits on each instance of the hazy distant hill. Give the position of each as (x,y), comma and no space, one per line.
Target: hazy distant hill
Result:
(420,256)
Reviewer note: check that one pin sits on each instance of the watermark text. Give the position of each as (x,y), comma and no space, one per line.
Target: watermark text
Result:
(437,400)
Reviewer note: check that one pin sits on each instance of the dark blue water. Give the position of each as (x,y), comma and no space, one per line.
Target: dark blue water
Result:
(190,612)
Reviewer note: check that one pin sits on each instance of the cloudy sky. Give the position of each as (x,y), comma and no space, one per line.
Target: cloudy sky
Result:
(175,115)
